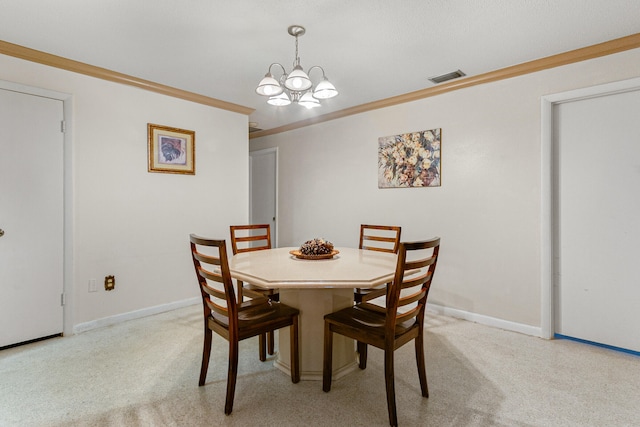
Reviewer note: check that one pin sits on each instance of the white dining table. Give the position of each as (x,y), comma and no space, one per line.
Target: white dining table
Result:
(316,288)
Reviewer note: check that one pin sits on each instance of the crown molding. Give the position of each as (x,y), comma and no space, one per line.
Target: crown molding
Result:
(33,55)
(570,57)
(577,55)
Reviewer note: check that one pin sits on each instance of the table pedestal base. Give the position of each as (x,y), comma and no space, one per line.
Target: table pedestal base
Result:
(313,305)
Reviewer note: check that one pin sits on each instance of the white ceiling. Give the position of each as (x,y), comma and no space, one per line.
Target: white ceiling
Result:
(370,49)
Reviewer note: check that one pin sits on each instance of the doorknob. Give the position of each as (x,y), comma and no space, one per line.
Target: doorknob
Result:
(1,232)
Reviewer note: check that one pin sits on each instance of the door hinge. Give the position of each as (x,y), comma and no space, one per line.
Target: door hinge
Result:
(63,126)
(62,299)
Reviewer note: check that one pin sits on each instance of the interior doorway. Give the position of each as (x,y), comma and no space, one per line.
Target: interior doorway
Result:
(263,190)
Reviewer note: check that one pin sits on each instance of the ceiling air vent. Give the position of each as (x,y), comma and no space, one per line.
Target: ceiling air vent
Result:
(446,77)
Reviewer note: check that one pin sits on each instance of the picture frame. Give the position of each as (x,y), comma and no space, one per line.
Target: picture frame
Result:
(410,159)
(171,150)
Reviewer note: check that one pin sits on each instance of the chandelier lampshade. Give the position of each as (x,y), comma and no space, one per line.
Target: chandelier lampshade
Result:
(297,80)
(269,86)
(324,90)
(281,100)
(308,101)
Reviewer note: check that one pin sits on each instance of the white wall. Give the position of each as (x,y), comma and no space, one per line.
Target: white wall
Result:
(128,222)
(488,210)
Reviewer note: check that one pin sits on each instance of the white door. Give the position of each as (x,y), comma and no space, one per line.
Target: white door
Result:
(31,217)
(598,151)
(264,189)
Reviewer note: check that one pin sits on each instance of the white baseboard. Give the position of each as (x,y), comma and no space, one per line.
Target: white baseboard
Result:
(118,318)
(451,312)
(486,320)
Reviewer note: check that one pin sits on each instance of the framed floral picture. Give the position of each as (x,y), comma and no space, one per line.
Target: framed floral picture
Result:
(171,150)
(409,160)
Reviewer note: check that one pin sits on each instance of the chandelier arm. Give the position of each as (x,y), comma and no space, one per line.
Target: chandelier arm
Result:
(317,66)
(284,71)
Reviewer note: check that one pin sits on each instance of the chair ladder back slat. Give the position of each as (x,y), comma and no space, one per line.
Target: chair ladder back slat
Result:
(420,263)
(217,308)
(413,281)
(402,317)
(215,277)
(213,292)
(410,299)
(219,274)
(416,275)
(374,248)
(241,242)
(389,235)
(207,259)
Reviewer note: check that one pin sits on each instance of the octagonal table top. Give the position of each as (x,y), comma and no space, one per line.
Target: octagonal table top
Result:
(350,268)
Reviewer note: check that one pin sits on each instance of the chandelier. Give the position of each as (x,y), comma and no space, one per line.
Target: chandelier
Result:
(295,86)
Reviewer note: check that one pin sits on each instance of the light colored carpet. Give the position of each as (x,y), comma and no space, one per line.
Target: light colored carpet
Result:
(145,373)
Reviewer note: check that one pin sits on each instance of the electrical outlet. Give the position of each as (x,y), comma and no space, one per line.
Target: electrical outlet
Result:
(93,285)
(109,283)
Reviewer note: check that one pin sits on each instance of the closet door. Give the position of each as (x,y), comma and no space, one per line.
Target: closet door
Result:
(598,281)
(31,217)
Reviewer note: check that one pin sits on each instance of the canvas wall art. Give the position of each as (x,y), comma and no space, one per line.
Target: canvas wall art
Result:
(409,160)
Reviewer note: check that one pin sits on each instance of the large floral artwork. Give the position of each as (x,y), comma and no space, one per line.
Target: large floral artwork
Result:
(409,160)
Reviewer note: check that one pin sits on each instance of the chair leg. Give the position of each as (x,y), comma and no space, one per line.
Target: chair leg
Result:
(231,375)
(271,343)
(240,296)
(295,351)
(327,357)
(262,347)
(422,373)
(206,354)
(362,355)
(390,386)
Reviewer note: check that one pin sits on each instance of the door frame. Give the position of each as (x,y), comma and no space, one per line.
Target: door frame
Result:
(549,171)
(67,108)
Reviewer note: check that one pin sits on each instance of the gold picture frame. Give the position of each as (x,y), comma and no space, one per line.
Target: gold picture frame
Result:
(171,150)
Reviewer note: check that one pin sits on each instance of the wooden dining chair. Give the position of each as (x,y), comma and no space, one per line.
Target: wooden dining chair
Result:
(247,238)
(390,327)
(381,238)
(233,320)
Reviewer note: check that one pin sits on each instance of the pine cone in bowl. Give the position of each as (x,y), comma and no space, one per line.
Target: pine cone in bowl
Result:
(316,246)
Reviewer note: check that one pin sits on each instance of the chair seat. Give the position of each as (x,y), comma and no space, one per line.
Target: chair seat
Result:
(358,320)
(255,319)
